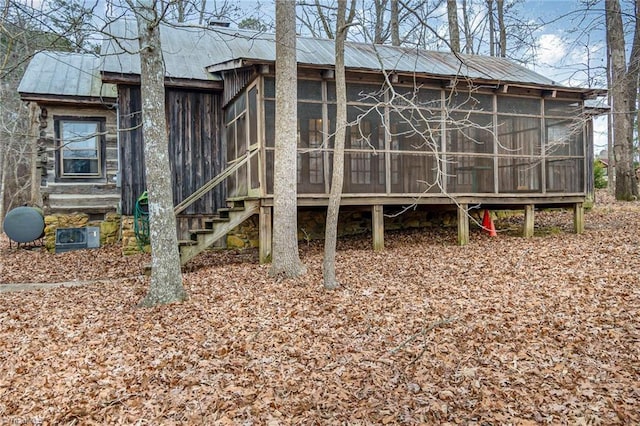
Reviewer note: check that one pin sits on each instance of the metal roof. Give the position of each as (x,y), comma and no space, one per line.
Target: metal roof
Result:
(186,51)
(189,51)
(65,74)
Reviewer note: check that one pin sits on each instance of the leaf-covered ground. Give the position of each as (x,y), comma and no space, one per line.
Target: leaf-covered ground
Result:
(503,331)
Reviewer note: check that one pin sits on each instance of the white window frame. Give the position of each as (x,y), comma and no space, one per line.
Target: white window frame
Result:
(67,147)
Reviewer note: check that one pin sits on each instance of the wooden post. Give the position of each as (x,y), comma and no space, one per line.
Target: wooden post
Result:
(527,229)
(578,218)
(377,227)
(265,234)
(463,225)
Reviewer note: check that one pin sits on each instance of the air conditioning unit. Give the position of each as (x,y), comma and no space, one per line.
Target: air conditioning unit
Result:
(68,239)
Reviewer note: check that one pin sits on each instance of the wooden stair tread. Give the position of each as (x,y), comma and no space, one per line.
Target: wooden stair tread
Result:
(216,227)
(201,231)
(230,209)
(217,220)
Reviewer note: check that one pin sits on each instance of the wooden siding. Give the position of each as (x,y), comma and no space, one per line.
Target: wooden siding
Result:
(235,81)
(132,179)
(195,147)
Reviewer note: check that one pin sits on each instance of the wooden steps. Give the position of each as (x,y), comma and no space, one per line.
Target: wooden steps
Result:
(217,227)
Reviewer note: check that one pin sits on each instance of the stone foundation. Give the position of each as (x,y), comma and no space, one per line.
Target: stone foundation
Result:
(311,223)
(109,227)
(129,241)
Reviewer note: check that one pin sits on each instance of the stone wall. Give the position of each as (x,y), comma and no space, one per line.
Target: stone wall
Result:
(129,241)
(109,227)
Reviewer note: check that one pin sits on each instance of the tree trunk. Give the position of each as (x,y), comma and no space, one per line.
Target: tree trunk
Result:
(380,8)
(626,182)
(337,177)
(166,277)
(323,19)
(611,166)
(454,30)
(631,93)
(492,28)
(502,28)
(468,34)
(285,258)
(395,23)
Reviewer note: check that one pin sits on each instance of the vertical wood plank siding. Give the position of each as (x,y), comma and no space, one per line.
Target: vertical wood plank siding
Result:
(235,81)
(131,150)
(195,147)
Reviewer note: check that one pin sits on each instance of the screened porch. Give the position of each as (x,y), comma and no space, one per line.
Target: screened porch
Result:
(417,140)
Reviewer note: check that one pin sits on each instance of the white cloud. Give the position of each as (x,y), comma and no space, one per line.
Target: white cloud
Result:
(552,49)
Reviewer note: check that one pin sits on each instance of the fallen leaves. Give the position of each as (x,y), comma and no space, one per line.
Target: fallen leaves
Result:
(504,331)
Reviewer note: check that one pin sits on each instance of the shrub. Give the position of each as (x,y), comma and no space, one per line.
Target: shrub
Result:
(599,176)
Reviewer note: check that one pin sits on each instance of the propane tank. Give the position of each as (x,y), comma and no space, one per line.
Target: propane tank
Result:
(24,224)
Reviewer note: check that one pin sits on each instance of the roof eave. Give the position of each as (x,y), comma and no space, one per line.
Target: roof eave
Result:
(586,93)
(50,98)
(172,82)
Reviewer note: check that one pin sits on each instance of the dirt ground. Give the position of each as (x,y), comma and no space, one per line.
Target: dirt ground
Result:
(505,330)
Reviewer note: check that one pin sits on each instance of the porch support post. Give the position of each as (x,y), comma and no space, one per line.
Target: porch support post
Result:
(377,227)
(265,234)
(463,224)
(527,230)
(578,218)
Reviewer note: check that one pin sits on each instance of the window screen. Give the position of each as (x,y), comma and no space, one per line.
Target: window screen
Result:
(80,148)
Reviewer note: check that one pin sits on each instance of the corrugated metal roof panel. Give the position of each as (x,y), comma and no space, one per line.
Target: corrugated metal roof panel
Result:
(65,73)
(188,51)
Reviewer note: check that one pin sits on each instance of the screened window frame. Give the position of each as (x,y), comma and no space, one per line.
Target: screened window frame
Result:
(528,178)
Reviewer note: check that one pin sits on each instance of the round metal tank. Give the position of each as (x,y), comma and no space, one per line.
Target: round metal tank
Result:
(24,224)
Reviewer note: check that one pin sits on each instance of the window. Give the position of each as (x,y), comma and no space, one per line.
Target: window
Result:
(310,164)
(80,148)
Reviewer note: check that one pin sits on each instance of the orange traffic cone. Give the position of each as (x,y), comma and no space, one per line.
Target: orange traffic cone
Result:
(486,220)
(487,224)
(492,228)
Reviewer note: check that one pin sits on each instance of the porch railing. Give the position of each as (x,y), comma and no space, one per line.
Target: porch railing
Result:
(234,165)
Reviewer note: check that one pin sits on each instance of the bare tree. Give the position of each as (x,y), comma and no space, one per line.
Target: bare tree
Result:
(202,12)
(492,28)
(394,23)
(315,17)
(502,32)
(380,21)
(166,277)
(454,30)
(624,93)
(21,36)
(72,21)
(502,28)
(285,258)
(468,31)
(333,208)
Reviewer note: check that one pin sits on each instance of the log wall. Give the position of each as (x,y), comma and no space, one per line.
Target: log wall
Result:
(96,195)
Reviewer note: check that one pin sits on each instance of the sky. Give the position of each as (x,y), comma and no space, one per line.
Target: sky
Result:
(562,59)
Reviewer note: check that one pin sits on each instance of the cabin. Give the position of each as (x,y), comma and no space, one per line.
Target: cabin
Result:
(77,138)
(432,130)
